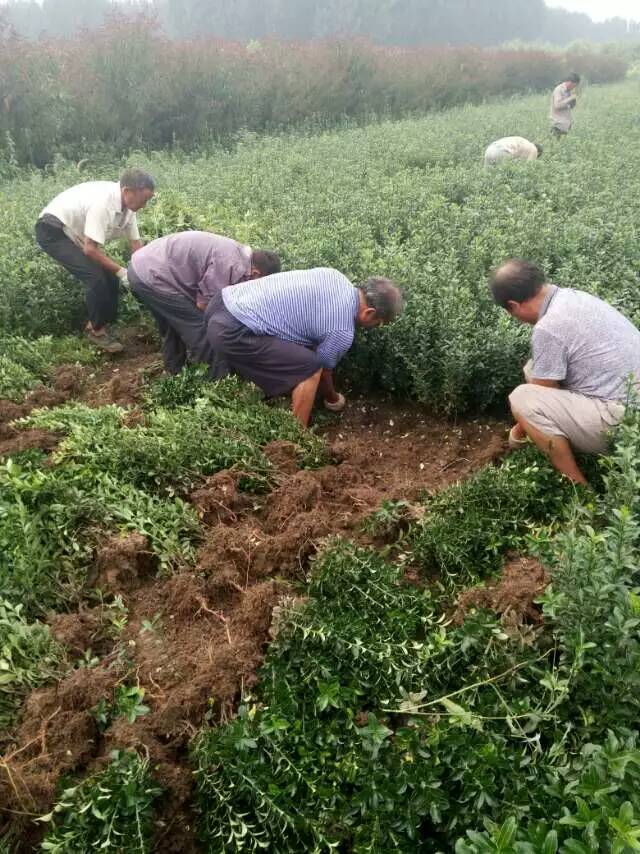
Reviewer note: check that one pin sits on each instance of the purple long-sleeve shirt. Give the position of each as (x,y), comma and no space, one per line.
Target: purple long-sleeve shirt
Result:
(194,264)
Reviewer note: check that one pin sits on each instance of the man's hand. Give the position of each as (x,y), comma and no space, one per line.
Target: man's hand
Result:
(95,252)
(336,405)
(124,279)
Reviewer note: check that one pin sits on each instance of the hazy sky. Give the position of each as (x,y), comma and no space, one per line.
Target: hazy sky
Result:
(601,9)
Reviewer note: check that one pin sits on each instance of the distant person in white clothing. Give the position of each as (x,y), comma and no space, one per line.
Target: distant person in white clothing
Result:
(563,102)
(511,148)
(73,229)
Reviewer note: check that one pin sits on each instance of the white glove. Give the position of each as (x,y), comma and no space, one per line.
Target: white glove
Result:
(338,405)
(122,275)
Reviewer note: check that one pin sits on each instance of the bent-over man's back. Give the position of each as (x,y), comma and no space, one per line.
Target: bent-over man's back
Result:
(315,308)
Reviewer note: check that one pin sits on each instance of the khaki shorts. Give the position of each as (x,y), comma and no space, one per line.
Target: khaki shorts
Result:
(584,421)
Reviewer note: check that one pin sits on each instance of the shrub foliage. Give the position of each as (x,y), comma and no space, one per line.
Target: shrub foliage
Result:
(381,727)
(150,91)
(407,200)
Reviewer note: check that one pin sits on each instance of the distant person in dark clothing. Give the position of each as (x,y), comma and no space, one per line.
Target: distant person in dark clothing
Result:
(563,101)
(176,276)
(73,229)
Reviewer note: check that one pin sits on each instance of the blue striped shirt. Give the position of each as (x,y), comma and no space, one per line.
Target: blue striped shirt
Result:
(316,308)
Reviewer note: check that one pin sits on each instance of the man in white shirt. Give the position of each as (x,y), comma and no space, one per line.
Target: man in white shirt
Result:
(73,229)
(563,101)
(511,148)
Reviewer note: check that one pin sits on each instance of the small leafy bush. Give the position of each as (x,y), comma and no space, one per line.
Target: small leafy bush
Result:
(467,527)
(63,419)
(127,703)
(26,363)
(15,380)
(51,520)
(39,355)
(111,810)
(28,657)
(204,428)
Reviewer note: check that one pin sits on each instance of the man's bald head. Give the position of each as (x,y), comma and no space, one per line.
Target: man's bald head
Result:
(516,281)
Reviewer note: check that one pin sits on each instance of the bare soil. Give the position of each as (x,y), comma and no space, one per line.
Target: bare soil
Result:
(512,596)
(195,641)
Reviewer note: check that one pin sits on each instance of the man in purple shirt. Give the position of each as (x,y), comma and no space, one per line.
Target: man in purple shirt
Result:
(176,276)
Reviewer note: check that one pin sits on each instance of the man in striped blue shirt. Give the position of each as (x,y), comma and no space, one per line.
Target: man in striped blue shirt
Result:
(288,332)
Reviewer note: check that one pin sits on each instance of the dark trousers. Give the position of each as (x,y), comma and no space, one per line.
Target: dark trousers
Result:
(274,365)
(101,288)
(181,325)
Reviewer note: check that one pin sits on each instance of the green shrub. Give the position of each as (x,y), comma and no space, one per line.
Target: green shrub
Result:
(205,428)
(63,419)
(111,810)
(40,355)
(468,527)
(25,364)
(51,520)
(597,809)
(380,727)
(28,657)
(108,475)
(127,703)
(15,380)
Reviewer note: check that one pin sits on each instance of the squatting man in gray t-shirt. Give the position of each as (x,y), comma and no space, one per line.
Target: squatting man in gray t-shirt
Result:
(584,355)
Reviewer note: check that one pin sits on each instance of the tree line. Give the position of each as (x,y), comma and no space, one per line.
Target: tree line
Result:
(389,22)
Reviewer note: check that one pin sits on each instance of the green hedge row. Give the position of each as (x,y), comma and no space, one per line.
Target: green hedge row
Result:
(150,91)
(408,200)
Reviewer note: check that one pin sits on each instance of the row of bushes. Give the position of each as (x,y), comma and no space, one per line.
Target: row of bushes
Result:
(379,726)
(409,200)
(147,90)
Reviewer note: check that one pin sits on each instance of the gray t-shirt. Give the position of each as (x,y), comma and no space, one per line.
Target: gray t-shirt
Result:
(584,344)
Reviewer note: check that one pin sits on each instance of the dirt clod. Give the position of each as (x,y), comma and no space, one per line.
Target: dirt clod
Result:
(218,499)
(24,440)
(122,561)
(69,379)
(282,456)
(512,596)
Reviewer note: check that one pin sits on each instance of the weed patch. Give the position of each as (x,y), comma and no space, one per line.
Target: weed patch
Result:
(111,810)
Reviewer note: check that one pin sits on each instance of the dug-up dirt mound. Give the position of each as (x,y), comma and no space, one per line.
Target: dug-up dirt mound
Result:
(512,596)
(194,641)
(192,645)
(24,440)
